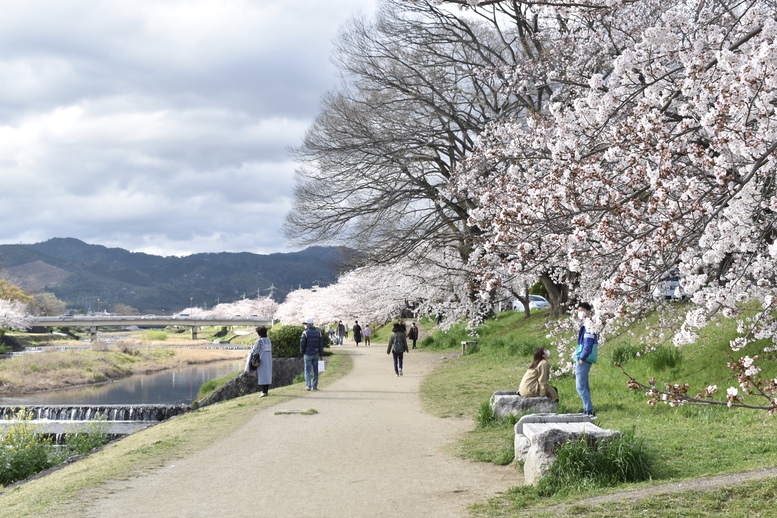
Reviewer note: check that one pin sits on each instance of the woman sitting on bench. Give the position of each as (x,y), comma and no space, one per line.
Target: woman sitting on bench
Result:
(535,382)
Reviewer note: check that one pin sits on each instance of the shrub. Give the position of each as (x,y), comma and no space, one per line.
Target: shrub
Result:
(24,451)
(285,340)
(580,466)
(83,442)
(427,341)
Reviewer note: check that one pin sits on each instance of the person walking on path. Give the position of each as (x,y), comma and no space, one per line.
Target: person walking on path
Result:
(311,346)
(357,333)
(398,347)
(585,355)
(367,335)
(439,317)
(535,382)
(413,334)
(263,347)
(340,333)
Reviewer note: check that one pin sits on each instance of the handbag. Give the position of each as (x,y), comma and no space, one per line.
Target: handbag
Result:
(255,361)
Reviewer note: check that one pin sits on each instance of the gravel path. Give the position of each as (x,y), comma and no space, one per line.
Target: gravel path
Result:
(368,451)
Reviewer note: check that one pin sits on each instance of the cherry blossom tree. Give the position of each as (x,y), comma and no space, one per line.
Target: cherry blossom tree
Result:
(654,152)
(14,314)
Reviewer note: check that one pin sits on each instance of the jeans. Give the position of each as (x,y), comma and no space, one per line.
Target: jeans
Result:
(581,383)
(340,339)
(311,368)
(397,361)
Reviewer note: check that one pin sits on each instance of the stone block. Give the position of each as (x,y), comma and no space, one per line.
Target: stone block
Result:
(504,403)
(538,438)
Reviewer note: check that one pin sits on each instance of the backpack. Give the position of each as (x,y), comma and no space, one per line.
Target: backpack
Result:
(399,344)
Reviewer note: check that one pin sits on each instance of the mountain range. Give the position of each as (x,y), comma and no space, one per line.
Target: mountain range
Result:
(80,274)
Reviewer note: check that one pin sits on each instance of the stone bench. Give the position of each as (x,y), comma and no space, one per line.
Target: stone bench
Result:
(506,402)
(538,438)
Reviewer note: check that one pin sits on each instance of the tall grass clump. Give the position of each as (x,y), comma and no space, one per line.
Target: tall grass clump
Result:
(625,352)
(665,357)
(581,466)
(152,335)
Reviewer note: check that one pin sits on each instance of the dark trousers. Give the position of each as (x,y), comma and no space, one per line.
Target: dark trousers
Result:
(398,357)
(264,388)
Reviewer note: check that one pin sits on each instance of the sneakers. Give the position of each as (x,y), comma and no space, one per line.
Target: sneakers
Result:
(315,388)
(400,372)
(263,394)
(396,375)
(307,388)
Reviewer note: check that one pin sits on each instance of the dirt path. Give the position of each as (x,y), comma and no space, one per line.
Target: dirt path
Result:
(369,451)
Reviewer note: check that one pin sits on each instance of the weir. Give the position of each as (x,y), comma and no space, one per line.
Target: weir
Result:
(118,420)
(89,412)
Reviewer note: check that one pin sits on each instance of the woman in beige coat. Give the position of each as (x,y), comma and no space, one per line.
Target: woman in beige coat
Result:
(535,382)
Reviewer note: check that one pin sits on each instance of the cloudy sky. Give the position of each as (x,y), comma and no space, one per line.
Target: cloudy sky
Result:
(159,126)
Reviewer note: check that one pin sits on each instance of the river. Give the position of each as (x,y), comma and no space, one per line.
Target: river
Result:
(169,387)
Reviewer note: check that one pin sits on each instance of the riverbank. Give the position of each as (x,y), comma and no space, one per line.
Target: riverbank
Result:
(59,369)
(362,442)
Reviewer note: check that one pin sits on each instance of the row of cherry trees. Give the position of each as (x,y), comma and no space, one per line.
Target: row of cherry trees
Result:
(379,293)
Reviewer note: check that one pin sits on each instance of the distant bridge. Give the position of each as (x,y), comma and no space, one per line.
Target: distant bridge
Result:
(95,321)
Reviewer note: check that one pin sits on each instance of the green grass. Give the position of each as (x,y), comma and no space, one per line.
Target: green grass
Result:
(215,383)
(687,442)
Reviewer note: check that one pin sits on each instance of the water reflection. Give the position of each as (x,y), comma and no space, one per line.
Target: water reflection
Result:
(176,386)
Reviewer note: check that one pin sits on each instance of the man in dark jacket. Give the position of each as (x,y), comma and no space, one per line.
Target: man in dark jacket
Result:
(311,346)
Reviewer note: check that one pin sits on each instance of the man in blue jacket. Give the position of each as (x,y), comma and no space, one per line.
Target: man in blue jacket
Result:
(585,355)
(311,346)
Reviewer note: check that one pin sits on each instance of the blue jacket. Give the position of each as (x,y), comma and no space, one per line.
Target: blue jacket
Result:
(311,342)
(587,346)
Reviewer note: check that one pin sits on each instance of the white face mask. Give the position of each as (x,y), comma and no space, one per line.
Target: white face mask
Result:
(581,315)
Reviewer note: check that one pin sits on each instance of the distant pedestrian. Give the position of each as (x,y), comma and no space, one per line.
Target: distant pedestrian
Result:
(331,333)
(367,335)
(357,333)
(262,346)
(413,334)
(439,317)
(397,346)
(586,355)
(340,333)
(311,346)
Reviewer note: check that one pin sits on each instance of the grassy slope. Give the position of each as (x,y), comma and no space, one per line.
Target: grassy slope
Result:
(690,441)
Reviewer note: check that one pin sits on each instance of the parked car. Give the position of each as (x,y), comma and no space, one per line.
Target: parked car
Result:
(535,302)
(148,316)
(669,289)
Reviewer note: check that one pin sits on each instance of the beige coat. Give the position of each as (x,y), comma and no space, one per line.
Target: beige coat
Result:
(535,382)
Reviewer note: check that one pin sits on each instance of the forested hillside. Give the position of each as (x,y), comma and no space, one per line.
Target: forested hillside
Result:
(80,273)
